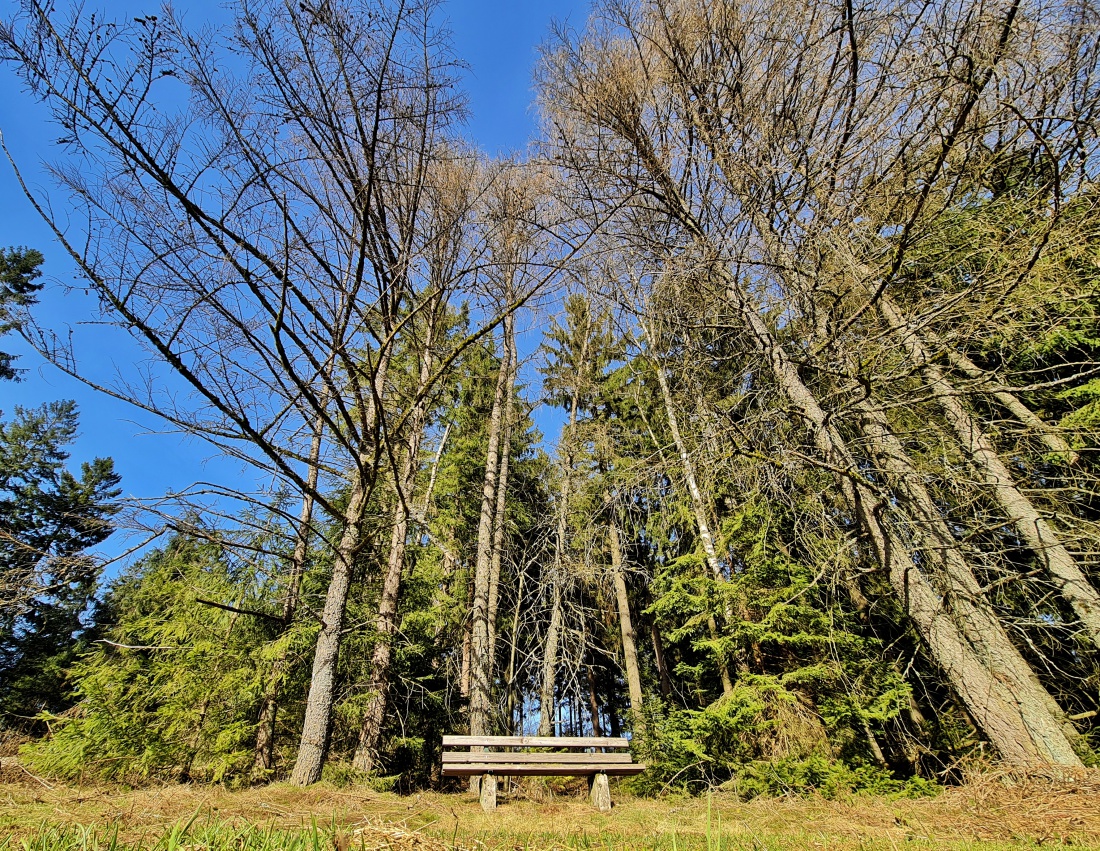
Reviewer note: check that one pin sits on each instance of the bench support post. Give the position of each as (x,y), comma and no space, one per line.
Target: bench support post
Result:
(601,792)
(489,792)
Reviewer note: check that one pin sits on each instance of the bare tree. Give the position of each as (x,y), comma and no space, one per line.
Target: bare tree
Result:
(731,141)
(272,221)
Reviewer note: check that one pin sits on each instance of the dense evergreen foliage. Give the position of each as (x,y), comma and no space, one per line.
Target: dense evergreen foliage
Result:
(49,520)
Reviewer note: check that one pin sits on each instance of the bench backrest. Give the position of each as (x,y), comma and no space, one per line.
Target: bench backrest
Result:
(535,742)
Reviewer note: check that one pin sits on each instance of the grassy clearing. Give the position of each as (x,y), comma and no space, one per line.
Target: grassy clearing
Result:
(989,815)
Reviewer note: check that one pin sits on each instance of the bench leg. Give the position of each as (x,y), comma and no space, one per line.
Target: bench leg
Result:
(601,792)
(489,792)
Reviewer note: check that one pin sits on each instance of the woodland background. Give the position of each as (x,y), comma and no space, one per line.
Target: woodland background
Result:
(820,289)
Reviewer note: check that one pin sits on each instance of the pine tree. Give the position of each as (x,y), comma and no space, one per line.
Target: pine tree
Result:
(49,519)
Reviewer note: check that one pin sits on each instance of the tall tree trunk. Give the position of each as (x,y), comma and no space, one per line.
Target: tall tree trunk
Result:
(318,717)
(480,662)
(1039,536)
(557,570)
(378,686)
(593,697)
(1012,709)
(264,752)
(510,674)
(550,661)
(699,509)
(317,723)
(626,626)
(500,512)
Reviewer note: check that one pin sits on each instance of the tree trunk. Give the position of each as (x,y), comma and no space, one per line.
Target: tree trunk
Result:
(593,697)
(499,514)
(480,662)
(630,650)
(698,508)
(993,681)
(510,675)
(264,753)
(553,633)
(550,662)
(318,715)
(1014,405)
(1039,536)
(662,662)
(378,686)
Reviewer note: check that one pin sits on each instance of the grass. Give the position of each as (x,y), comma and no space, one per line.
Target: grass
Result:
(991,815)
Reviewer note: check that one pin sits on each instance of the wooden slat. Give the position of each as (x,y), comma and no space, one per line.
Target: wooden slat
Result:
(537,758)
(534,742)
(517,770)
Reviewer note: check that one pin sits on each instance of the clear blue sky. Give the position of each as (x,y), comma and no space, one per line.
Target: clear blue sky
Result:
(496,38)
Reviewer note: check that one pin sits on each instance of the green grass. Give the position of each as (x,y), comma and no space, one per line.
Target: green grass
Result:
(989,816)
(203,835)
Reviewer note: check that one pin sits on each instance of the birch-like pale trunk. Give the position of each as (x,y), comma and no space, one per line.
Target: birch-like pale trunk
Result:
(699,509)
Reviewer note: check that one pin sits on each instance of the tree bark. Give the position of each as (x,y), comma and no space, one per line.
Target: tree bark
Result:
(500,512)
(1014,405)
(318,717)
(550,662)
(264,752)
(480,662)
(553,633)
(378,686)
(1013,710)
(662,662)
(626,626)
(1039,536)
(317,723)
(698,508)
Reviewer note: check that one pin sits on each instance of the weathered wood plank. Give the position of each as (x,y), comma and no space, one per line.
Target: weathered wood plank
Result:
(533,770)
(539,758)
(534,742)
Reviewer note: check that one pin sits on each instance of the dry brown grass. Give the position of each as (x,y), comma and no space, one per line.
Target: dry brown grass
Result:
(994,811)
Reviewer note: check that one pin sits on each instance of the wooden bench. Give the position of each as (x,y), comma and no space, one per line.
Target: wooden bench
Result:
(594,756)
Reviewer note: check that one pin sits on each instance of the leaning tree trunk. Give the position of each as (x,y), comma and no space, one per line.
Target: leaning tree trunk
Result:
(264,753)
(322,683)
(698,508)
(318,717)
(1013,711)
(1039,536)
(630,650)
(1002,695)
(1015,406)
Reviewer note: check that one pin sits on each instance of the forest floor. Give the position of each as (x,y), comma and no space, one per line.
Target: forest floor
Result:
(996,812)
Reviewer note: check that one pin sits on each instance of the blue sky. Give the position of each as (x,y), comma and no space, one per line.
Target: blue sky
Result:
(498,40)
